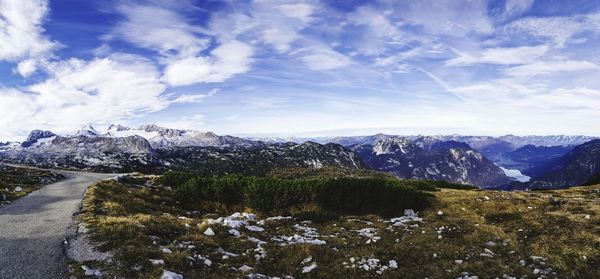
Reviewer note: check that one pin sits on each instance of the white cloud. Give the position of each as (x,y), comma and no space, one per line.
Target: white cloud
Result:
(517,7)
(302,11)
(550,67)
(161,29)
(21,33)
(561,30)
(227,60)
(324,58)
(77,92)
(453,18)
(502,56)
(195,98)
(26,67)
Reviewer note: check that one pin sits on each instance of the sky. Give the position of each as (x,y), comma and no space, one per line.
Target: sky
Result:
(302,67)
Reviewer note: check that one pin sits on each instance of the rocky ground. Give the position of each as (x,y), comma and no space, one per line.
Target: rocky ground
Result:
(465,234)
(16,182)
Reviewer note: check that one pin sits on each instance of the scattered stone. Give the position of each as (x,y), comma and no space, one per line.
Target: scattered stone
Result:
(166,250)
(490,244)
(393,264)
(245,268)
(440,213)
(307,260)
(254,228)
(91,272)
(18,189)
(171,275)
(309,268)
(157,262)
(209,232)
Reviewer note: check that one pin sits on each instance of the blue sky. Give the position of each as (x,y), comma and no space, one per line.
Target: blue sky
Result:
(305,68)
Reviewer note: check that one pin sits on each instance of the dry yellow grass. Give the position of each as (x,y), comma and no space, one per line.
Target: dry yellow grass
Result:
(527,235)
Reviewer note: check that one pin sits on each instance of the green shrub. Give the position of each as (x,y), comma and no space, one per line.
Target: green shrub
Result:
(346,195)
(370,195)
(267,194)
(175,178)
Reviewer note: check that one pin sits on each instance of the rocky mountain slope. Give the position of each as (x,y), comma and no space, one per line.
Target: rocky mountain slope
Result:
(574,168)
(528,157)
(123,150)
(257,160)
(160,137)
(84,150)
(577,167)
(429,158)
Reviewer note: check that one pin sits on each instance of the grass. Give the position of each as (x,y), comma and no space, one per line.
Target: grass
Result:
(29,180)
(136,221)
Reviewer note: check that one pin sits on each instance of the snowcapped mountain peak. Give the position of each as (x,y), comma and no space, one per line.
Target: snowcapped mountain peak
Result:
(161,137)
(118,128)
(88,131)
(37,135)
(392,145)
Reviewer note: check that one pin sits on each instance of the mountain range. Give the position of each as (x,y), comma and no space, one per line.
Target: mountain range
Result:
(495,162)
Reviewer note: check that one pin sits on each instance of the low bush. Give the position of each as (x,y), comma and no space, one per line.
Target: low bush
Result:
(380,195)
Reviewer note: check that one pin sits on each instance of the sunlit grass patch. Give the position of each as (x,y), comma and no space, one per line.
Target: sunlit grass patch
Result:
(483,233)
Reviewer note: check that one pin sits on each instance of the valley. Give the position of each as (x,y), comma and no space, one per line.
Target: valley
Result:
(507,162)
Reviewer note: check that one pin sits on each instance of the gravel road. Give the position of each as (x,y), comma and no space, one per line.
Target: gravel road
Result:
(32,228)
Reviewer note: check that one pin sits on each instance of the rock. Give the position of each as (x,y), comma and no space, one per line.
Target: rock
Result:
(245,268)
(157,262)
(209,232)
(171,275)
(18,189)
(307,260)
(440,213)
(490,244)
(166,250)
(393,264)
(309,268)
(458,261)
(234,232)
(587,216)
(409,213)
(91,272)
(254,228)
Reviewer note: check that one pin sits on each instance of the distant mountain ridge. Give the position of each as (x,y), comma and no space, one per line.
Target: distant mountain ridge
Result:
(126,149)
(160,137)
(432,159)
(488,145)
(476,160)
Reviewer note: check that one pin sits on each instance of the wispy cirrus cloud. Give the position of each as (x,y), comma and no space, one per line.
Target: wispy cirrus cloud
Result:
(502,56)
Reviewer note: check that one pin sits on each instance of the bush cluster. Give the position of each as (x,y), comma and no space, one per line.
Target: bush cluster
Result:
(345,195)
